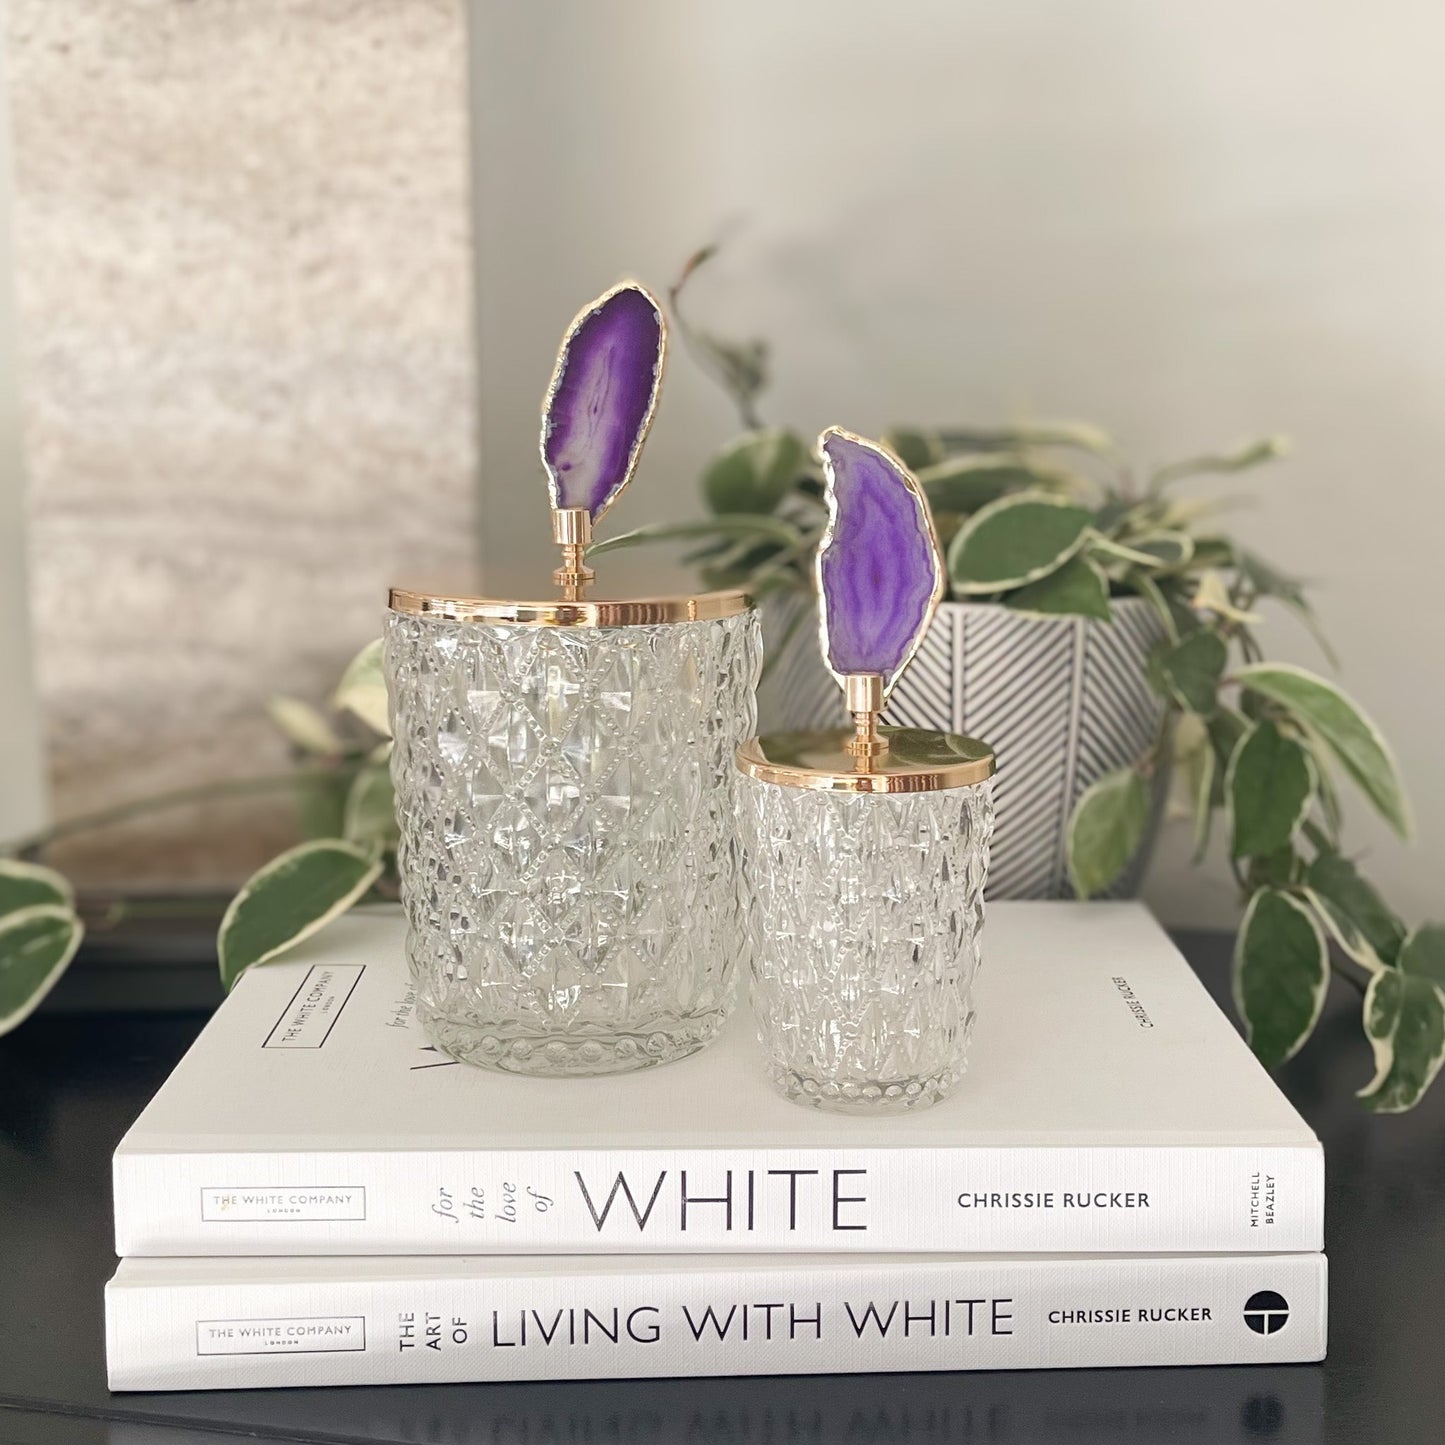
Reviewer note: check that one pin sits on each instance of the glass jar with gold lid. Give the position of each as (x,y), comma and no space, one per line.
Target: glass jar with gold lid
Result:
(865,849)
(568,868)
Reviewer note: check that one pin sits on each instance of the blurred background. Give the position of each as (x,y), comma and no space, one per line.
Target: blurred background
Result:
(281,282)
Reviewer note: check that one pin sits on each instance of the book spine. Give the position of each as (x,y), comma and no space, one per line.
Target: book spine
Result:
(1008,1200)
(808,1316)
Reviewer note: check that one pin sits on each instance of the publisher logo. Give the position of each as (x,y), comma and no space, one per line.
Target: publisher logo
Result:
(313,1202)
(1266,1312)
(307,1021)
(314,1336)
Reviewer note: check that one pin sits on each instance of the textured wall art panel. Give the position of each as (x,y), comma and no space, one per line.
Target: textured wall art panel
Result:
(244,278)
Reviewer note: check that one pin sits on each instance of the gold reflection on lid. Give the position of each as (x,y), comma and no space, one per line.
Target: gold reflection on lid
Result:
(914,761)
(561,612)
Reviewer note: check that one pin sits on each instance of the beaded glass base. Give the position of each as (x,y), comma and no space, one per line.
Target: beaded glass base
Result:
(863,915)
(567,859)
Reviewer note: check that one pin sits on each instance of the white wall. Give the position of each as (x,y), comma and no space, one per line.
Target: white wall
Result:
(1188,223)
(22,773)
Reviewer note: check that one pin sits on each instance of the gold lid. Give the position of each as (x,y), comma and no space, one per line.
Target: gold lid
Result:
(912,760)
(575,612)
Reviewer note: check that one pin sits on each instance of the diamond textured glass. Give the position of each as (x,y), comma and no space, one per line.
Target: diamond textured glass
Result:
(567,846)
(865,850)
(863,914)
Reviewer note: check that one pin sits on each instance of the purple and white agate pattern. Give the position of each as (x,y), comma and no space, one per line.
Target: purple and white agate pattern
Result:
(880,572)
(603,392)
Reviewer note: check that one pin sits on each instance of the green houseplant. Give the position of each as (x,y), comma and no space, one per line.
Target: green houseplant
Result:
(1043,519)
(1052,520)
(341,789)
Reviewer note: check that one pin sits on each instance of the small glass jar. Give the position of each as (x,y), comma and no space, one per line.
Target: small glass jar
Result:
(863,884)
(568,865)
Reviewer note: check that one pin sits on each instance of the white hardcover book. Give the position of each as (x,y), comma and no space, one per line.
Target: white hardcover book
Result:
(215,1324)
(1109,1107)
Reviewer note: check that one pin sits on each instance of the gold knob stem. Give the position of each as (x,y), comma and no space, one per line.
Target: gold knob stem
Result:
(863,697)
(572,531)
(866,744)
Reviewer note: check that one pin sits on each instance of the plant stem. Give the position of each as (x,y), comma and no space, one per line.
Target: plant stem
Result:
(706,352)
(1152,760)
(35,842)
(1245,890)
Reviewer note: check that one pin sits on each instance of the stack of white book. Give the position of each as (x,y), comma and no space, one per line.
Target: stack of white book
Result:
(319,1197)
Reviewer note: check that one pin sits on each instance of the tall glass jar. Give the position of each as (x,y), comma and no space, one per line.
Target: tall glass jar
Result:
(567,854)
(864,891)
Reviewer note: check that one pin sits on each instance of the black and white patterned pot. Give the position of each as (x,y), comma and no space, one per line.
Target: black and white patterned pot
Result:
(1061,700)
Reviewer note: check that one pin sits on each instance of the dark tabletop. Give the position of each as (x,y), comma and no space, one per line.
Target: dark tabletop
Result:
(70,1084)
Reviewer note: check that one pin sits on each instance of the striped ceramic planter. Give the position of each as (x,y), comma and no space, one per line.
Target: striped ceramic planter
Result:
(1062,701)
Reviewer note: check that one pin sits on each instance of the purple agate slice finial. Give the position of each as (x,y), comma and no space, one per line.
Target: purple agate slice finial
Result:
(880,571)
(601,399)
